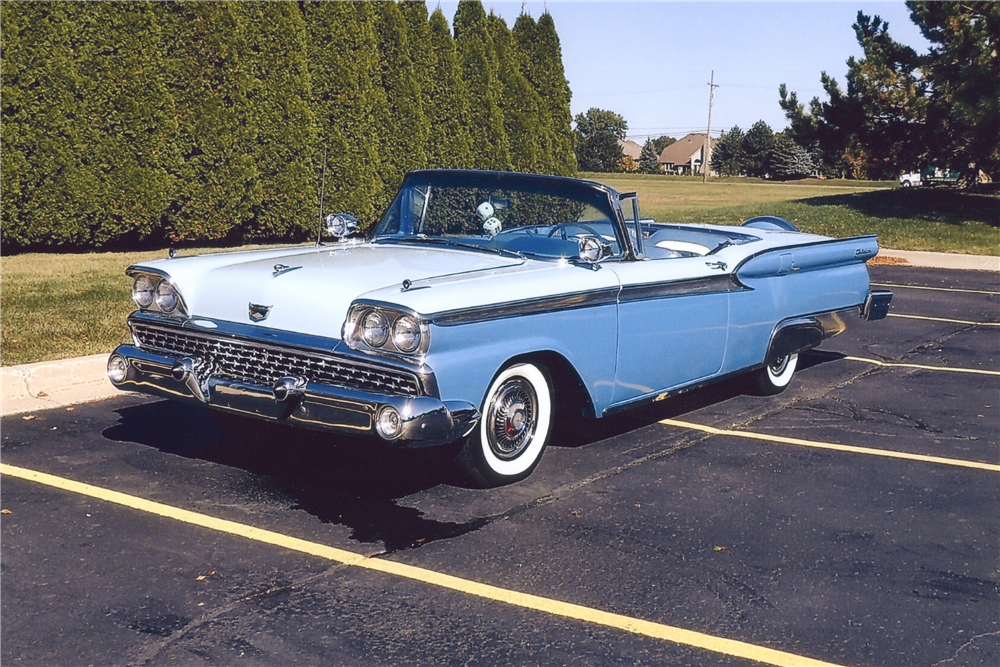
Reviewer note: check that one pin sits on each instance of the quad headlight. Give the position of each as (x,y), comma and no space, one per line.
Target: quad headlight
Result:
(375,328)
(378,328)
(154,292)
(406,333)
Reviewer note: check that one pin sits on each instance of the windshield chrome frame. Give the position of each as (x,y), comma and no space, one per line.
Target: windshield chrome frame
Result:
(542,184)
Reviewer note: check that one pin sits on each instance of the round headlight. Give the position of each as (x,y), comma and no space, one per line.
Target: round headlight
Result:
(166,297)
(389,425)
(142,291)
(375,329)
(406,334)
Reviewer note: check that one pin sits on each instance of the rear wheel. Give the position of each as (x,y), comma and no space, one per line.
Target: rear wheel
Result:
(513,430)
(777,375)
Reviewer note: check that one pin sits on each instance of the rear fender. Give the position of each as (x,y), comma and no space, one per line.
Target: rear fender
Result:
(807,257)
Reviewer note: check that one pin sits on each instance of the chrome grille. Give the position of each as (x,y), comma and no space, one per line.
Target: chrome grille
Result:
(245,361)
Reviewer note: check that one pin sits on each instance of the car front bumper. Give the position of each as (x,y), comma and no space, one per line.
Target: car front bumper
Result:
(424,421)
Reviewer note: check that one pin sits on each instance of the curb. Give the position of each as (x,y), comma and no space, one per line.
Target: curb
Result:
(942,260)
(64,382)
(54,384)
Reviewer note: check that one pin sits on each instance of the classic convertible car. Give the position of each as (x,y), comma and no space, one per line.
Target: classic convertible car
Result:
(479,301)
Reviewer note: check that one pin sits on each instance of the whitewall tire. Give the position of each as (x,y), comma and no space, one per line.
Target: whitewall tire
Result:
(777,375)
(513,430)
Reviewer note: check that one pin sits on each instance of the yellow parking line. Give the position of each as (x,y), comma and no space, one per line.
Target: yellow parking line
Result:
(937,289)
(834,446)
(944,319)
(951,369)
(534,602)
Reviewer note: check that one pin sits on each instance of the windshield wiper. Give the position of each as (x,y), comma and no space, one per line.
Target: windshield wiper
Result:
(434,240)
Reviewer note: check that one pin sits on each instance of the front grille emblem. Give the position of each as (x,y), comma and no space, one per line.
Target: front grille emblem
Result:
(259,313)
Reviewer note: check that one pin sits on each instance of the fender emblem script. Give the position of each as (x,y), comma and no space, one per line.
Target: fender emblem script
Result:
(259,313)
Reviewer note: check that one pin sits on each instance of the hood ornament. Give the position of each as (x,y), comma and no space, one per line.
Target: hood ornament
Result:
(259,313)
(280,269)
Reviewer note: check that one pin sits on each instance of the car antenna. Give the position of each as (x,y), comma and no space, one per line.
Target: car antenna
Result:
(322,190)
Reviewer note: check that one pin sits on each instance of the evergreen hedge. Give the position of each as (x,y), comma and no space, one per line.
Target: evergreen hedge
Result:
(133,123)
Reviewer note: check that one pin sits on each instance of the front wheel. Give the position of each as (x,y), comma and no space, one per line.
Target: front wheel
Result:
(777,375)
(511,436)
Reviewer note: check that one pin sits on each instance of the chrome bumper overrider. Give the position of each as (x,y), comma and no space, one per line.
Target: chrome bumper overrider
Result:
(425,421)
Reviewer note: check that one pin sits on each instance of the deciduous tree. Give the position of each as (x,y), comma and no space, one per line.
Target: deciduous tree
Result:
(597,135)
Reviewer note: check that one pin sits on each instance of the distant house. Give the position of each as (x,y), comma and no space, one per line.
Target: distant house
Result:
(630,154)
(685,156)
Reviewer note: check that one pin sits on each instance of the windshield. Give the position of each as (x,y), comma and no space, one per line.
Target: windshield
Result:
(503,214)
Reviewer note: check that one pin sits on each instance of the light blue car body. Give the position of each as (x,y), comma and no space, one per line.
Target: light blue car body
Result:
(623,331)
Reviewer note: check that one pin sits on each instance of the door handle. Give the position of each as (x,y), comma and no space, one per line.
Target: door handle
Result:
(716,265)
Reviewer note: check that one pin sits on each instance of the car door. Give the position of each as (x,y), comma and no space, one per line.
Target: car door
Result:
(673,321)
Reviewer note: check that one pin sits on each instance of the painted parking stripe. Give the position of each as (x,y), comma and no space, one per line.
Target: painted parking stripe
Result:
(950,369)
(937,289)
(944,319)
(834,446)
(637,626)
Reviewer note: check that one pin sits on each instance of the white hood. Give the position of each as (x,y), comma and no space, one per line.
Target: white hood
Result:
(313,294)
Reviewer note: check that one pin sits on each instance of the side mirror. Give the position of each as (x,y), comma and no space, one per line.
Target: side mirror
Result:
(593,249)
(339,225)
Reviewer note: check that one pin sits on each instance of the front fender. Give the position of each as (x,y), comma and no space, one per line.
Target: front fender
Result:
(466,357)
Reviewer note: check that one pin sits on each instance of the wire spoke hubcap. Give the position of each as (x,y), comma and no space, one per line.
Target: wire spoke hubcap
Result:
(512,419)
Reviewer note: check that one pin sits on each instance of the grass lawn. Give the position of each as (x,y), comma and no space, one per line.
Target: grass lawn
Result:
(54,306)
(913,219)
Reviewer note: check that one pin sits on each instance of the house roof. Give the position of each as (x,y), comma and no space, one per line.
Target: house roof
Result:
(680,152)
(631,149)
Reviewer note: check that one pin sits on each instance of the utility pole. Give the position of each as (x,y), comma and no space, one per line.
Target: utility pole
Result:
(706,163)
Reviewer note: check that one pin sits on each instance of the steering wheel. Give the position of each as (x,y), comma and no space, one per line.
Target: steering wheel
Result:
(561,228)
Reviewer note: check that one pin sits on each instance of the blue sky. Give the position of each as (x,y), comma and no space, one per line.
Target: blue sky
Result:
(651,61)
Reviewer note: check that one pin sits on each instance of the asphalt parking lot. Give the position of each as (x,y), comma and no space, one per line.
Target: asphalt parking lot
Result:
(859,524)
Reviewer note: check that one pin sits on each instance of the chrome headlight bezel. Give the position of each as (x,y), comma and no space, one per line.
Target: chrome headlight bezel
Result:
(160,288)
(354,329)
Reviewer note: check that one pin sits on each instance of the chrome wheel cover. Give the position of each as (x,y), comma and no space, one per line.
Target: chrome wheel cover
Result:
(778,366)
(512,419)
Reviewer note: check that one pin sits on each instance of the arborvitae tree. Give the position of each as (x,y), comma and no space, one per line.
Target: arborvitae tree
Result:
(758,146)
(519,103)
(525,39)
(649,158)
(286,129)
(403,126)
(480,72)
(46,183)
(131,121)
(343,60)
(546,75)
(209,80)
(728,157)
(446,101)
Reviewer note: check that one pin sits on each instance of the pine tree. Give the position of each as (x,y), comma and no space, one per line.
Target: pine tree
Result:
(343,64)
(446,101)
(403,128)
(548,78)
(758,147)
(286,129)
(209,80)
(480,72)
(728,157)
(519,103)
(649,158)
(791,160)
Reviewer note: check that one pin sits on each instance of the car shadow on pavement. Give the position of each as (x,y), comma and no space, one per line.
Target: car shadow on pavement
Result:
(338,480)
(357,483)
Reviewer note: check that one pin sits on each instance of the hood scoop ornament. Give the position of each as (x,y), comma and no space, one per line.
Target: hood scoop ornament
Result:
(281,269)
